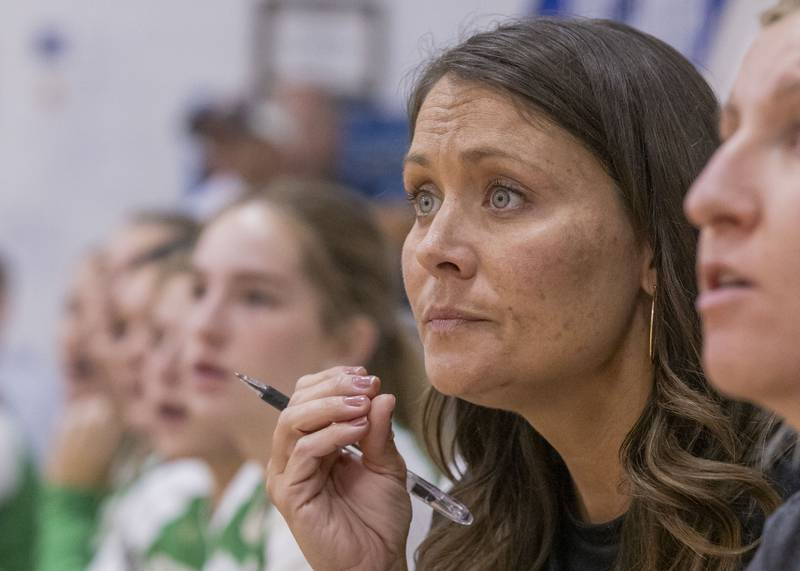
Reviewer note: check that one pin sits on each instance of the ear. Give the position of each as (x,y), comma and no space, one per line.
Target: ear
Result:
(356,341)
(649,280)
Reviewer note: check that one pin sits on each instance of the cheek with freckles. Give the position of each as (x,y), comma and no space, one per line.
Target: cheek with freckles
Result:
(561,295)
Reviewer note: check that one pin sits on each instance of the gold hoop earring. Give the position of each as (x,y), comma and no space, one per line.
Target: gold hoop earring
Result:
(652,320)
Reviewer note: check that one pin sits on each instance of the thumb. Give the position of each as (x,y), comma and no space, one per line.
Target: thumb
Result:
(378,445)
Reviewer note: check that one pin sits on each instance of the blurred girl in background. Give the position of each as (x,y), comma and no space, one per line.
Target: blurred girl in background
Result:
(291,280)
(100,448)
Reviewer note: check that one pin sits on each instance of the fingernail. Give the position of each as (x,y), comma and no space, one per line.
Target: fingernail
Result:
(355,370)
(363,382)
(355,401)
(359,421)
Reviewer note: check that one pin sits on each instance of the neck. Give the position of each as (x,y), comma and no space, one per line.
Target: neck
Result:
(586,421)
(253,433)
(223,467)
(787,407)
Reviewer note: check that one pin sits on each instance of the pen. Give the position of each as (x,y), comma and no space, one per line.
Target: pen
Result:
(417,486)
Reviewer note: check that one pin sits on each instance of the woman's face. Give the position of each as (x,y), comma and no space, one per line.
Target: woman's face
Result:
(85,315)
(747,206)
(522,268)
(132,293)
(255,312)
(176,430)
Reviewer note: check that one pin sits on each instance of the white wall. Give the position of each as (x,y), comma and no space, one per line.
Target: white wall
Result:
(418,27)
(739,26)
(84,141)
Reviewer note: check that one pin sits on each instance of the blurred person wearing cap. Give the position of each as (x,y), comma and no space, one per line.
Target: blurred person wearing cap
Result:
(310,148)
(243,145)
(18,480)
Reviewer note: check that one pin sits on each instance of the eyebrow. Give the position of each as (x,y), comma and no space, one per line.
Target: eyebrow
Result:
(473,155)
(787,87)
(248,276)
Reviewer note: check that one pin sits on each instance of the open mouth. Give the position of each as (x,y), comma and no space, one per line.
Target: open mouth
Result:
(209,376)
(81,368)
(172,412)
(721,287)
(723,279)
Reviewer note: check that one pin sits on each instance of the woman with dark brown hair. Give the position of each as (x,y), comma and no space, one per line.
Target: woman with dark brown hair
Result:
(550,272)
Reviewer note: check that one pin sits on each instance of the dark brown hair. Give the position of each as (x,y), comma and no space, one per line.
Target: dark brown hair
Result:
(690,460)
(346,257)
(183,231)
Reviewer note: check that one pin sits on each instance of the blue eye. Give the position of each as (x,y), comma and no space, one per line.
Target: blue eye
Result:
(119,328)
(501,198)
(425,202)
(255,297)
(794,139)
(156,337)
(198,291)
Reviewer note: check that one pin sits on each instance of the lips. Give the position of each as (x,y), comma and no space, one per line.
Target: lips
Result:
(81,368)
(721,277)
(209,376)
(721,283)
(171,413)
(444,319)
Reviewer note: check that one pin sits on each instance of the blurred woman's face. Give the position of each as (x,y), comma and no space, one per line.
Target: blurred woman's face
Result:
(747,206)
(127,340)
(83,320)
(255,312)
(522,268)
(176,430)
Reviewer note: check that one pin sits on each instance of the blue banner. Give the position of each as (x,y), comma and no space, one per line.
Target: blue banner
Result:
(688,25)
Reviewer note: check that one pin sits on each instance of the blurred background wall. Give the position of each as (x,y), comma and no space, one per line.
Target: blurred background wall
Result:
(94,97)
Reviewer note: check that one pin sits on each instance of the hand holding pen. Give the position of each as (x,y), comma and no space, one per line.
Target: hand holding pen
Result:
(345,512)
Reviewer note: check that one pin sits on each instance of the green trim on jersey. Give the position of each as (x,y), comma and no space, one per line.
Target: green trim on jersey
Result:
(18,521)
(182,542)
(68,523)
(239,544)
(159,523)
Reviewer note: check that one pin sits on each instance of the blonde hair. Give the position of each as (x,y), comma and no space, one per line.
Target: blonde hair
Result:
(779,11)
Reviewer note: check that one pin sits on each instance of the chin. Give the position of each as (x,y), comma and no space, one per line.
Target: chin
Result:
(728,380)
(171,454)
(739,372)
(467,379)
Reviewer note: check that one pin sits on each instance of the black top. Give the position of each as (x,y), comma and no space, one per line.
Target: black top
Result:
(780,544)
(586,546)
(583,546)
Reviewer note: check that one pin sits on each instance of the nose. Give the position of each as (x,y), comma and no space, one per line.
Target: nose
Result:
(136,346)
(168,366)
(725,196)
(446,247)
(207,319)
